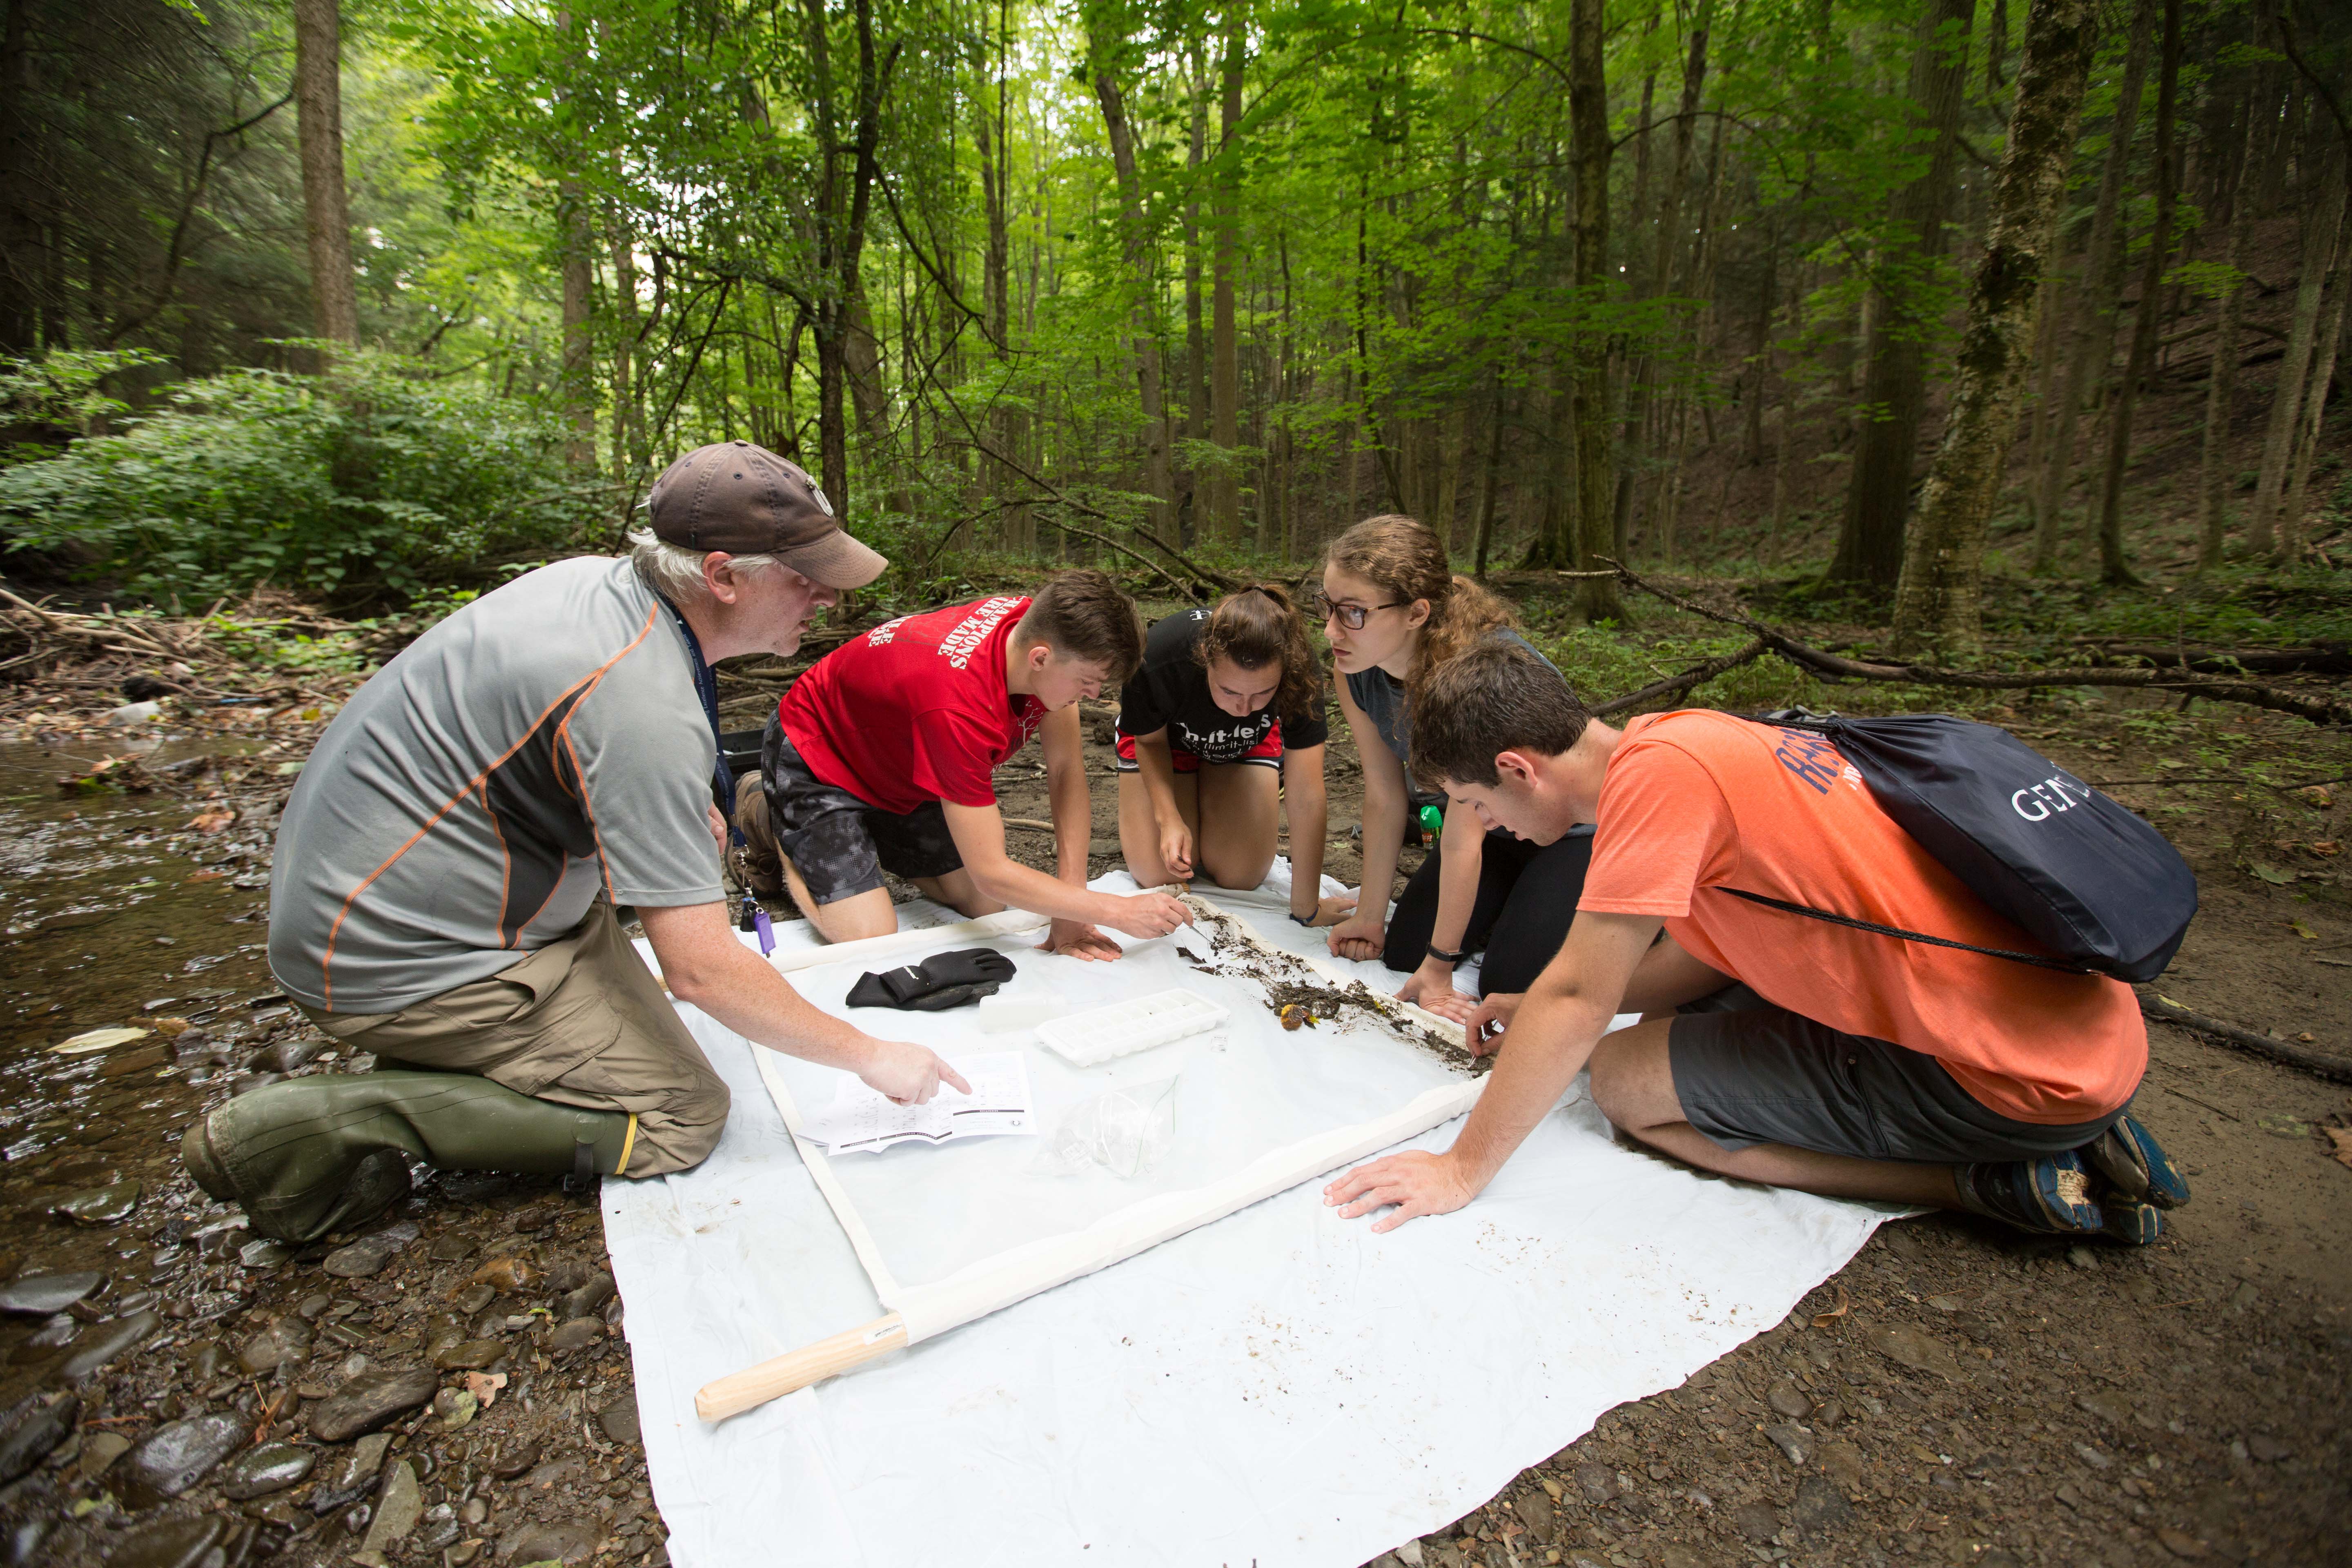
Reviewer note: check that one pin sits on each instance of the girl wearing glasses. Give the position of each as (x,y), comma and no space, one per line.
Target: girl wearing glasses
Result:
(1393,611)
(1225,697)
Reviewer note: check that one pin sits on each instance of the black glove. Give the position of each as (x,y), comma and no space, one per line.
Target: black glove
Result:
(941,981)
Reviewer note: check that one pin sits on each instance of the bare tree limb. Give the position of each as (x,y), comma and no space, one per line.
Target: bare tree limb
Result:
(2322,1064)
(1676,685)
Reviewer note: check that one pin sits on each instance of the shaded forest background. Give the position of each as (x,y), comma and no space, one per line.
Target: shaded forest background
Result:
(382,299)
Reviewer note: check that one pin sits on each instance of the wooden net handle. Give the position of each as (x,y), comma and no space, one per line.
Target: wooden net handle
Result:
(741,1391)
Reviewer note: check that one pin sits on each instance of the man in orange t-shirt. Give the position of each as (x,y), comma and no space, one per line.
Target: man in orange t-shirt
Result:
(1775,1047)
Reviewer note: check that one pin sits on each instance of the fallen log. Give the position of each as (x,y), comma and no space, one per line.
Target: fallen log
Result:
(2321,1063)
(2317,710)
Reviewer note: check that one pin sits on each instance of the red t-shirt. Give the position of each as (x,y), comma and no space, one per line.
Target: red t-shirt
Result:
(1695,802)
(915,710)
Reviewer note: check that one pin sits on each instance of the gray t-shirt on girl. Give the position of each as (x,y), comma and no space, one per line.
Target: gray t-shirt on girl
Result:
(1382,697)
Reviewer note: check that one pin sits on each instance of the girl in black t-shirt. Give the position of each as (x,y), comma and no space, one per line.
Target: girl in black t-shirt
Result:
(1226,697)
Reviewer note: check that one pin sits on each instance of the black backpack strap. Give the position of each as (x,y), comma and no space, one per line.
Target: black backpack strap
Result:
(2034,959)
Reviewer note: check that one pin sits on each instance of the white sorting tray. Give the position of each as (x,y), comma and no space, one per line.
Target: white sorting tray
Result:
(1098,1034)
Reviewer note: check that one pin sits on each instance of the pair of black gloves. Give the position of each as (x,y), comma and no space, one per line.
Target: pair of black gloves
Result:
(943,981)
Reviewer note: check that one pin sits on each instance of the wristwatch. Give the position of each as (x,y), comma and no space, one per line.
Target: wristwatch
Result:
(1442,956)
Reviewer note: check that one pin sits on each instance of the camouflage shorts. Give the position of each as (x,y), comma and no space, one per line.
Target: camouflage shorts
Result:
(839,843)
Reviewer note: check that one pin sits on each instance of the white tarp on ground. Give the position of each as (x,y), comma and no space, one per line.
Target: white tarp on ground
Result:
(1282,1387)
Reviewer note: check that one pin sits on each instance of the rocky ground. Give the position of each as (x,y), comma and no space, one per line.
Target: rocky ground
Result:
(453,1386)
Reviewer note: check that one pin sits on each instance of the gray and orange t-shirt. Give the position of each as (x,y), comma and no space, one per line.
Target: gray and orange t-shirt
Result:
(1696,801)
(541,747)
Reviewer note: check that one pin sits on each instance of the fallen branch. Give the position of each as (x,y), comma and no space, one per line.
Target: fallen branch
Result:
(2317,710)
(2207,779)
(1676,685)
(2322,1064)
(2323,660)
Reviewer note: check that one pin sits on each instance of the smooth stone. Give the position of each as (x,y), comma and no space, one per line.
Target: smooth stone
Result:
(1758,1522)
(40,1295)
(287,1056)
(287,1339)
(1820,1506)
(108,1342)
(369,1253)
(1792,1441)
(474,1298)
(272,1468)
(456,1407)
(362,1464)
(619,1419)
(175,1457)
(370,1399)
(100,1205)
(36,1433)
(98,1450)
(1534,1510)
(1786,1398)
(577,1334)
(452,1247)
(169,1542)
(514,1462)
(551,1543)
(264,1252)
(396,1511)
(590,1297)
(470,1355)
(1597,1482)
(1914,1350)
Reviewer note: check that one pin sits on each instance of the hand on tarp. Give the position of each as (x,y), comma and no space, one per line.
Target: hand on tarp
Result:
(944,980)
(1416,1182)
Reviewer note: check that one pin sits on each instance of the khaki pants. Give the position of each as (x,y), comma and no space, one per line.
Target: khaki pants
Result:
(579,1022)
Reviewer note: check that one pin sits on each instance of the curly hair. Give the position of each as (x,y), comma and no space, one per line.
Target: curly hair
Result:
(1258,626)
(1404,560)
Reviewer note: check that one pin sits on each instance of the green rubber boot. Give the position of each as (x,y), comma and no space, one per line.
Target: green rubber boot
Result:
(315,1154)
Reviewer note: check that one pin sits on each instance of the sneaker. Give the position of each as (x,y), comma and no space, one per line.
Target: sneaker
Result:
(2135,1166)
(2133,1224)
(2051,1194)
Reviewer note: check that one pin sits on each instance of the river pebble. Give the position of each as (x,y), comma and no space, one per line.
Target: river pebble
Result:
(179,1454)
(370,1399)
(272,1468)
(369,1253)
(286,1340)
(109,1342)
(169,1542)
(40,1295)
(99,1206)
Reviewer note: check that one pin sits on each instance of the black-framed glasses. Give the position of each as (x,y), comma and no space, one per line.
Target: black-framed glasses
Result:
(1353,616)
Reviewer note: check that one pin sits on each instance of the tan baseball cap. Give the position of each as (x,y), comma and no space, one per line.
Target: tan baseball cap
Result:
(746,500)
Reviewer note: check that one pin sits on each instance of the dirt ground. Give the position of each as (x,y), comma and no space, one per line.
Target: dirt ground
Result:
(454,1388)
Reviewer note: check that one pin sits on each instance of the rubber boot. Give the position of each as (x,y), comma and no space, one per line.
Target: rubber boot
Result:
(311,1155)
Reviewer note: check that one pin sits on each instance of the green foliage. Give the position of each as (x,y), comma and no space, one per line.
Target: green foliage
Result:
(64,390)
(364,478)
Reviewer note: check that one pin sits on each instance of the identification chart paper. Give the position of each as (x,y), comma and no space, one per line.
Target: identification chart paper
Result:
(863,1121)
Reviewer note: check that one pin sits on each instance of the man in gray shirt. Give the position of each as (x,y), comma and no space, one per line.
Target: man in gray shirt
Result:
(449,866)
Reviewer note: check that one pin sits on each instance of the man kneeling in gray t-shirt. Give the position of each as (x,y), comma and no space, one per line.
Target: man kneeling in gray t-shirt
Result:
(448,865)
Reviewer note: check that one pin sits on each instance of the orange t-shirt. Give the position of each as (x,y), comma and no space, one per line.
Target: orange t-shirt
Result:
(1695,802)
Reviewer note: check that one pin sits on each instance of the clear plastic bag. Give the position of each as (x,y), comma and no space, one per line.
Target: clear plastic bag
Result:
(1125,1131)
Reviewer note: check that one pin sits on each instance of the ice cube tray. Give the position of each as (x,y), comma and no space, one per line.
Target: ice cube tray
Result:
(1098,1034)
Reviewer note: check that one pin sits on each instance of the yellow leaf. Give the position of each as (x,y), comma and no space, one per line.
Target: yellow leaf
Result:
(95,1040)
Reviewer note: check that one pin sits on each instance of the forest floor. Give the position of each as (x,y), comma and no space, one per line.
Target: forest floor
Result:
(453,1387)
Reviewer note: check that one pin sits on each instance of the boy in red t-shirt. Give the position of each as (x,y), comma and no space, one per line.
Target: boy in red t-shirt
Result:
(1790,1051)
(881,755)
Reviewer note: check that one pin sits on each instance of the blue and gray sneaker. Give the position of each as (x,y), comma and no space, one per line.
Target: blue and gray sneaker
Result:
(2135,1166)
(2133,1224)
(2051,1194)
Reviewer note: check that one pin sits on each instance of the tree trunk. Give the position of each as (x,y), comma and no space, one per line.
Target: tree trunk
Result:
(628,408)
(1224,365)
(2293,542)
(2222,377)
(576,378)
(1493,480)
(1894,389)
(24,267)
(1138,260)
(1589,149)
(325,206)
(2114,569)
(2319,243)
(2103,279)
(1937,605)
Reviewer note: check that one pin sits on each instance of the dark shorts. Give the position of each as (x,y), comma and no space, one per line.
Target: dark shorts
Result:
(1748,1072)
(1266,754)
(838,844)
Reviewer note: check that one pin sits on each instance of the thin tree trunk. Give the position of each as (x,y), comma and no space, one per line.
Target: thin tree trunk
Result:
(2293,540)
(1146,348)
(2113,568)
(1894,387)
(1589,149)
(2103,277)
(2222,377)
(1224,365)
(24,267)
(628,411)
(1938,603)
(326,204)
(2319,243)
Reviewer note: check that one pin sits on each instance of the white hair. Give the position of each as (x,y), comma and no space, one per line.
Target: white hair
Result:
(675,572)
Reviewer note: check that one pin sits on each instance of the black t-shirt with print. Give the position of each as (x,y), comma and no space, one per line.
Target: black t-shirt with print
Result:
(1171,691)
